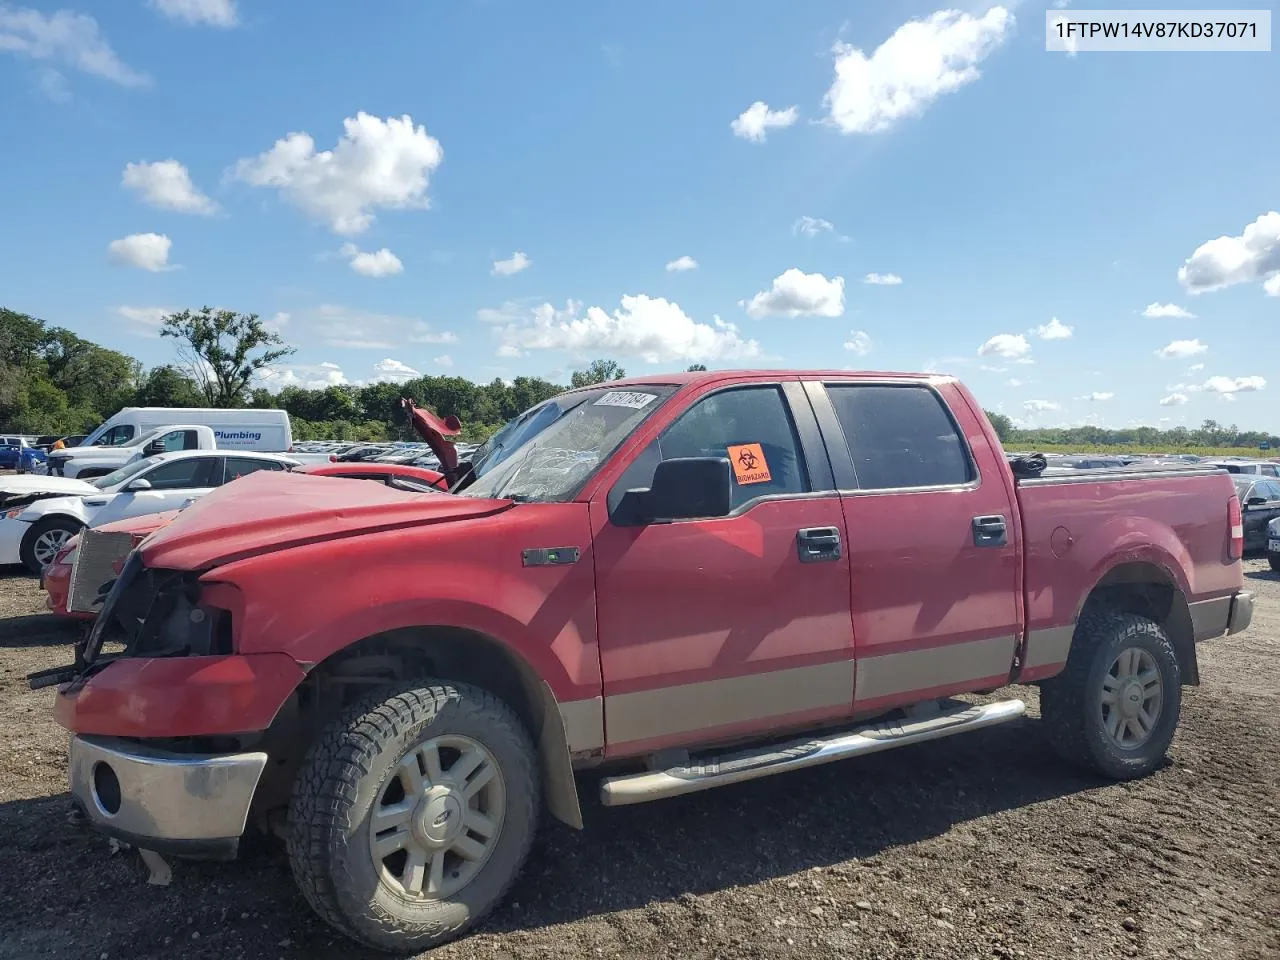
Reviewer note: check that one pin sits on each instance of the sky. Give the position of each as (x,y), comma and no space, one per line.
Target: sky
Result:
(488,188)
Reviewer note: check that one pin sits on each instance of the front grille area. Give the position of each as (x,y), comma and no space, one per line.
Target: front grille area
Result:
(95,565)
(157,613)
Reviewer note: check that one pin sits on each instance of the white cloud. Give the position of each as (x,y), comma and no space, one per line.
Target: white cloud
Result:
(1227,385)
(1055,329)
(1011,346)
(315,376)
(1195,368)
(859,342)
(682,263)
(377,263)
(53,85)
(1159,310)
(214,13)
(757,120)
(393,371)
(1174,400)
(796,294)
(517,262)
(355,329)
(1272,285)
(72,39)
(882,279)
(1179,349)
(1040,406)
(920,62)
(812,226)
(146,251)
(166,184)
(1099,395)
(443,361)
(651,328)
(1015,382)
(145,320)
(376,164)
(1226,261)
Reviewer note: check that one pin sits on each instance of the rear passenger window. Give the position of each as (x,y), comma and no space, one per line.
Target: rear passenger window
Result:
(242,467)
(749,425)
(900,437)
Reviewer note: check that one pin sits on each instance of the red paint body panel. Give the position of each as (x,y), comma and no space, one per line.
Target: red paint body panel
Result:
(357,468)
(1179,524)
(468,573)
(180,696)
(918,579)
(272,511)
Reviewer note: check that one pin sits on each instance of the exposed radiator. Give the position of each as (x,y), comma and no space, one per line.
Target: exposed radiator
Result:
(95,563)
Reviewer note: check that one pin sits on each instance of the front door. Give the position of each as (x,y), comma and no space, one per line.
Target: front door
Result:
(722,628)
(172,484)
(933,544)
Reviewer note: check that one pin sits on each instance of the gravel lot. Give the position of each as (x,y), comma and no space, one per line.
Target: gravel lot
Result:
(979,846)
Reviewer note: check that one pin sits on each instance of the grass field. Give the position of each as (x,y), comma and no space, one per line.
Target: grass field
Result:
(1129,449)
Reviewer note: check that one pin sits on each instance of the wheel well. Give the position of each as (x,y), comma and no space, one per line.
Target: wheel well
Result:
(447,653)
(1147,590)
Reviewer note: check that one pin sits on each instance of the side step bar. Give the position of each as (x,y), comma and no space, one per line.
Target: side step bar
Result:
(956,717)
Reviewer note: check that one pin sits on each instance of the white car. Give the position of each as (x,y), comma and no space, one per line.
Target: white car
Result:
(31,533)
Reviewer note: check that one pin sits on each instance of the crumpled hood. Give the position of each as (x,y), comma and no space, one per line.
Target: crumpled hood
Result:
(268,511)
(14,489)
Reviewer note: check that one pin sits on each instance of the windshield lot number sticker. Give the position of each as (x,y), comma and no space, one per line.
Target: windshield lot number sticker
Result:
(626,398)
(749,464)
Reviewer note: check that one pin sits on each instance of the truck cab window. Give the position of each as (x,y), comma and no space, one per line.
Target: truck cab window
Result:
(724,424)
(900,437)
(117,435)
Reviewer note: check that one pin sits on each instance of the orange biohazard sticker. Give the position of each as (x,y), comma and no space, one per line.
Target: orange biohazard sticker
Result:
(749,464)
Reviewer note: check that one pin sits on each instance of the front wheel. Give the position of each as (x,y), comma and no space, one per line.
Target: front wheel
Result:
(43,541)
(413,814)
(1115,706)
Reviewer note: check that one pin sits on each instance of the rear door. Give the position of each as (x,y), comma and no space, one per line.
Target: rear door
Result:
(933,541)
(737,625)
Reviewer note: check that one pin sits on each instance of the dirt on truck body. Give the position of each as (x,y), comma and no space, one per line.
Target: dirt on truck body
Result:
(678,583)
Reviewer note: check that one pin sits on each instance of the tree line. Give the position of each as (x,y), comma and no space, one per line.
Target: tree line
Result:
(53,381)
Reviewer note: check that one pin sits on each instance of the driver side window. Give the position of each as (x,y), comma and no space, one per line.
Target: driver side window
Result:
(182,474)
(750,426)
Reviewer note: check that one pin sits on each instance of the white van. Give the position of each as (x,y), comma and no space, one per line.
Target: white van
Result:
(263,431)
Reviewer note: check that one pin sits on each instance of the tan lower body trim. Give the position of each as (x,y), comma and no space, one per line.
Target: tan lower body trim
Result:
(892,674)
(583,724)
(667,711)
(1048,646)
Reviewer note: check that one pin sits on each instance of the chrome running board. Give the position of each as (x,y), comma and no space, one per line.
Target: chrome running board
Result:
(718,771)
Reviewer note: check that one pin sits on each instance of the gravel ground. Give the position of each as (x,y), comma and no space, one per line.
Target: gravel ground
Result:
(979,846)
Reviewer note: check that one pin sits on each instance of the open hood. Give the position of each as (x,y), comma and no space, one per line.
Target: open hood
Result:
(268,511)
(16,491)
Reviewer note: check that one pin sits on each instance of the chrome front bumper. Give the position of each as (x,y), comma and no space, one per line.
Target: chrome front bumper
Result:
(183,804)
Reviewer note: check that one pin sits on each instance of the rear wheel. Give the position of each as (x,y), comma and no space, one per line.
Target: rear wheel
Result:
(413,814)
(43,541)
(1274,560)
(1115,707)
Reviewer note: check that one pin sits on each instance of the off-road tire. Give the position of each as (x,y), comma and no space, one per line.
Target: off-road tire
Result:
(1070,702)
(26,551)
(339,783)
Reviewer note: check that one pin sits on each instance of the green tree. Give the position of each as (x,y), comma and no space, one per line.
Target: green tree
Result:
(223,350)
(1002,425)
(695,368)
(167,386)
(600,371)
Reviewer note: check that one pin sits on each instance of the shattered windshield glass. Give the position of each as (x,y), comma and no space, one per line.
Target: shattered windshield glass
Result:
(547,453)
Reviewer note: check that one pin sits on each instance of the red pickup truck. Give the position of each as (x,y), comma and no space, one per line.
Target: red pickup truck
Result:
(682,581)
